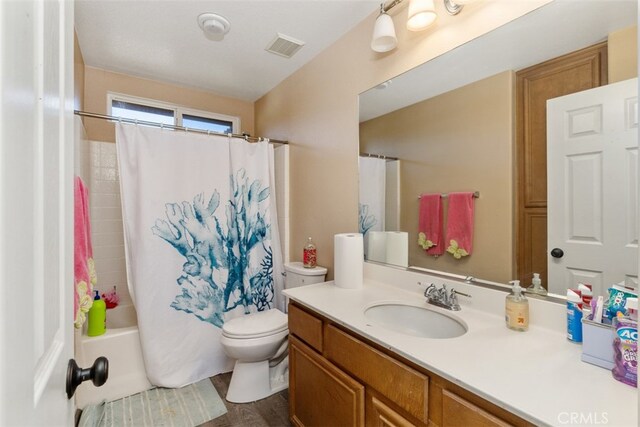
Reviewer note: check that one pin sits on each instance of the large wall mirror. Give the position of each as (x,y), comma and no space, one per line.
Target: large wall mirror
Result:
(452,124)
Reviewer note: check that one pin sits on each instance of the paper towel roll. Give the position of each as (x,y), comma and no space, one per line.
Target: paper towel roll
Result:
(398,248)
(377,246)
(348,260)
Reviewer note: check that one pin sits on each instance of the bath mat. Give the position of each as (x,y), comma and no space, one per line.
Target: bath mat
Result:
(182,407)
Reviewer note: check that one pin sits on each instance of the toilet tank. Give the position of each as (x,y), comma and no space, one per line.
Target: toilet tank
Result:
(297,275)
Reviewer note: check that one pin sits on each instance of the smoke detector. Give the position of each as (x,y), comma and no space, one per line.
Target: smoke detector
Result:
(284,46)
(213,26)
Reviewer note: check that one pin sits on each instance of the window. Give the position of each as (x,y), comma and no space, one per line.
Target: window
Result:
(204,123)
(130,107)
(129,110)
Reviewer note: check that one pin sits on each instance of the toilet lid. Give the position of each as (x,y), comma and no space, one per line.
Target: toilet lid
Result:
(256,325)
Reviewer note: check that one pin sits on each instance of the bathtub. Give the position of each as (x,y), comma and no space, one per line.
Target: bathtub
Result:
(121,345)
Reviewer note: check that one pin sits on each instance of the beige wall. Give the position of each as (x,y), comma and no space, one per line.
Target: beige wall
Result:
(78,75)
(623,54)
(458,141)
(98,82)
(316,109)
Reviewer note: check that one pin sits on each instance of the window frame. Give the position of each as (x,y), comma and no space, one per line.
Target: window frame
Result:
(178,111)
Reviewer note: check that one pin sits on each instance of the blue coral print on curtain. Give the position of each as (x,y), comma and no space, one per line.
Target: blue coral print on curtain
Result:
(228,263)
(366,220)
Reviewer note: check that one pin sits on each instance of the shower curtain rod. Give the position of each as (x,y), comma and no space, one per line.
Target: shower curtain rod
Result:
(378,156)
(174,127)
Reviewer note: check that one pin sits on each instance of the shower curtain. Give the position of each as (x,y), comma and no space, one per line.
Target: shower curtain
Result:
(371,208)
(201,243)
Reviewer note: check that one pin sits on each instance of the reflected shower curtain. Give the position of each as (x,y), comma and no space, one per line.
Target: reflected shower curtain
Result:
(371,206)
(200,243)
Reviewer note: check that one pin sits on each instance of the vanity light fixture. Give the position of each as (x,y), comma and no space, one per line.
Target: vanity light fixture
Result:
(455,6)
(384,33)
(422,14)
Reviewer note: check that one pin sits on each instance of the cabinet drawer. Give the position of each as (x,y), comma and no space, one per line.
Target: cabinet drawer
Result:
(457,411)
(379,371)
(320,394)
(306,327)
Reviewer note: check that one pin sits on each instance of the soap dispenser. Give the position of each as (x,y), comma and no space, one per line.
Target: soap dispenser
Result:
(536,285)
(309,254)
(517,309)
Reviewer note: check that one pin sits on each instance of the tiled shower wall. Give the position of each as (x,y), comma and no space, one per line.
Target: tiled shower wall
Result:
(106,219)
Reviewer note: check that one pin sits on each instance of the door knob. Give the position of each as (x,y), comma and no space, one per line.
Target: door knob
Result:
(557,253)
(98,374)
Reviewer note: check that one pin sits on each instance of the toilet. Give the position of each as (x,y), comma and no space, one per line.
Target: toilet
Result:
(259,344)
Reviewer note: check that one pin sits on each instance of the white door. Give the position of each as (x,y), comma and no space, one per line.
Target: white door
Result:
(36,211)
(592,167)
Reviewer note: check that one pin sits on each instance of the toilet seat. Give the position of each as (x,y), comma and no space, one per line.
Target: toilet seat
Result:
(256,325)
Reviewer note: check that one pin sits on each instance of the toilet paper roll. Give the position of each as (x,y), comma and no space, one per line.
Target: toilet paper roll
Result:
(377,246)
(348,254)
(397,250)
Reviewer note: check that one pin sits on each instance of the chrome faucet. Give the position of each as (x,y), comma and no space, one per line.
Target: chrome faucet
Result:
(442,298)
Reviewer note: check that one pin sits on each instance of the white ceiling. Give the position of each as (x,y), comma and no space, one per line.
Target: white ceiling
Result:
(557,28)
(160,39)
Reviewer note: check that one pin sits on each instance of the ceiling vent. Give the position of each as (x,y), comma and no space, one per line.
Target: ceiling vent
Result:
(284,46)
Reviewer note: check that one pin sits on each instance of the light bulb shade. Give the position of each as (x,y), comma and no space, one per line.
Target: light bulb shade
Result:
(384,34)
(422,13)
(463,1)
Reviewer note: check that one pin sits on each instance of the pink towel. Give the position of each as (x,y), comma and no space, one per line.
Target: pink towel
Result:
(460,224)
(430,224)
(84,269)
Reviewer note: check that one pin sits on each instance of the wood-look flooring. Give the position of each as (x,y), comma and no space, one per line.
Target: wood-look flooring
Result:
(272,411)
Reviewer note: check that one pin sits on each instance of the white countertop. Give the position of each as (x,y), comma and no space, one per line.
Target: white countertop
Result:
(537,375)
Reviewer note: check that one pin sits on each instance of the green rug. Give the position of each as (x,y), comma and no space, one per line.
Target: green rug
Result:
(182,407)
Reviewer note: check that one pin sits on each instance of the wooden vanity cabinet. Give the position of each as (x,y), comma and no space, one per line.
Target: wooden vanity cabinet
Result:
(337,378)
(319,393)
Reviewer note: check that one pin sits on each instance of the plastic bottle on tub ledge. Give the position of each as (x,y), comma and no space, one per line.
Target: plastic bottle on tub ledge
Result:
(97,319)
(309,254)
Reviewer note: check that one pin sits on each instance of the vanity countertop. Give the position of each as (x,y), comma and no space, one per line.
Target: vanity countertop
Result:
(537,375)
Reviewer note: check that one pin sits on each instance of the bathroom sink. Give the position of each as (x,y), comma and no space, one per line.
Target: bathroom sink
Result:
(416,321)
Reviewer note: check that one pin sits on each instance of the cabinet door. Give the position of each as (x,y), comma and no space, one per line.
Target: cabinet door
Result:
(319,393)
(458,412)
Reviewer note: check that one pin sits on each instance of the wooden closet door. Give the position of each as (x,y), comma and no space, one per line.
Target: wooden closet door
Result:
(574,72)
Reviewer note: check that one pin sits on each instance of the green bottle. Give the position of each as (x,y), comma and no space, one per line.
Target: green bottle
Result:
(97,317)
